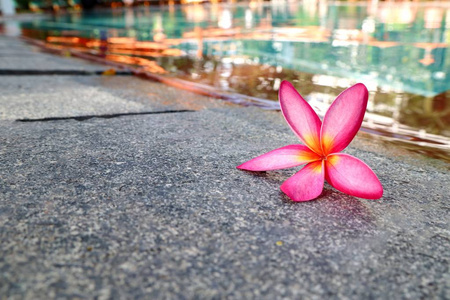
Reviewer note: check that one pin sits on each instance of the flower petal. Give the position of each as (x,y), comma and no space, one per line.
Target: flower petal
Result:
(307,184)
(300,116)
(281,158)
(352,176)
(343,119)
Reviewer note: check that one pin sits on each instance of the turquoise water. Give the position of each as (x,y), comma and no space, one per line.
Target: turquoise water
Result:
(400,50)
(402,47)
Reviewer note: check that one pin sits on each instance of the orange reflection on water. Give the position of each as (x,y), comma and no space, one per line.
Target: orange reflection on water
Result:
(139,46)
(146,64)
(63,40)
(165,52)
(121,40)
(127,47)
(211,32)
(430,45)
(383,44)
(314,34)
(428,59)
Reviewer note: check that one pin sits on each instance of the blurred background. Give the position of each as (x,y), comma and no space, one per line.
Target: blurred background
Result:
(398,49)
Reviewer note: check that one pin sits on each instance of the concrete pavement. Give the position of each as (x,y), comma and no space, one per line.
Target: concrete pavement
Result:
(121,188)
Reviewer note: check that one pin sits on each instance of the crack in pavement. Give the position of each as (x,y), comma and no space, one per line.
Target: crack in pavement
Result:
(106,116)
(10,72)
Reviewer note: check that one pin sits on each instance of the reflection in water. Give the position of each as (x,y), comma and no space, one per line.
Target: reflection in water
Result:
(399,50)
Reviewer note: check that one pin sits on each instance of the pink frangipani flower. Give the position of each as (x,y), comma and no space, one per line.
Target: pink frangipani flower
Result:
(323,142)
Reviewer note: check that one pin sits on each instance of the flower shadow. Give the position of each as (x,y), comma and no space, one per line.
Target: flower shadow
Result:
(275,176)
(337,207)
(330,206)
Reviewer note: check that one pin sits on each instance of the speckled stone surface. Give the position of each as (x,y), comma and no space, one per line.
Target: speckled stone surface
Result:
(36,97)
(152,207)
